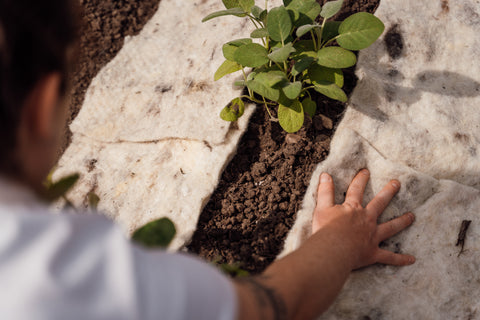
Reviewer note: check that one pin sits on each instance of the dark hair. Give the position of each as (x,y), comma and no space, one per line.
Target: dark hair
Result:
(35,40)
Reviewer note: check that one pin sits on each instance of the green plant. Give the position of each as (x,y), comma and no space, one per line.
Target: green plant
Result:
(158,233)
(58,190)
(286,63)
(233,270)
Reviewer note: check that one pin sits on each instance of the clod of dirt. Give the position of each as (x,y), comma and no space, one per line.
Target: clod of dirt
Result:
(394,42)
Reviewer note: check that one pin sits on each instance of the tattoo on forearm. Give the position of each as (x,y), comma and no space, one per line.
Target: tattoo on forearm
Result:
(266,297)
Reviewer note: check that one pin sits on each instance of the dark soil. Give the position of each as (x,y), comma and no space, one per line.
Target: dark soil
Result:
(105,25)
(250,213)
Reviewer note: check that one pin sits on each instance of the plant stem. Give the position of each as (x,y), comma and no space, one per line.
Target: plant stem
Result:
(314,41)
(321,31)
(279,66)
(245,78)
(308,92)
(331,40)
(253,21)
(307,88)
(266,107)
(257,101)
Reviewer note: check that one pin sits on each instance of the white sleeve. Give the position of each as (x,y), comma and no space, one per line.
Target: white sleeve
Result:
(83,267)
(177,286)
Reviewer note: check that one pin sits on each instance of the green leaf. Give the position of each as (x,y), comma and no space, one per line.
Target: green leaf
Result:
(60,188)
(317,73)
(309,107)
(330,90)
(305,29)
(247,5)
(279,24)
(335,57)
(301,64)
(294,15)
(284,101)
(93,200)
(359,31)
(308,9)
(259,33)
(229,48)
(231,4)
(238,12)
(330,30)
(227,67)
(331,8)
(292,89)
(233,110)
(158,233)
(291,118)
(233,270)
(263,90)
(263,16)
(286,2)
(281,54)
(271,78)
(257,12)
(251,55)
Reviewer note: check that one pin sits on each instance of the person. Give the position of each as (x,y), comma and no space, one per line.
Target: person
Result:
(68,266)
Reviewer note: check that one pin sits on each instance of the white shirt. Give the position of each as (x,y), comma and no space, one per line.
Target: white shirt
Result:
(70,267)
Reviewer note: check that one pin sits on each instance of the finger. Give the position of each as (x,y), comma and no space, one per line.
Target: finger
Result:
(392,227)
(383,198)
(394,259)
(325,192)
(357,188)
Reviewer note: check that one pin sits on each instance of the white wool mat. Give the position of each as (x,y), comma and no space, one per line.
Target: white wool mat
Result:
(149,140)
(414,116)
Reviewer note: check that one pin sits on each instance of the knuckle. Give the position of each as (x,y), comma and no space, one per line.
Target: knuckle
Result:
(353,206)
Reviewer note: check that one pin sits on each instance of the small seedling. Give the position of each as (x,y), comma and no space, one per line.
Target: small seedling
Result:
(290,54)
(233,270)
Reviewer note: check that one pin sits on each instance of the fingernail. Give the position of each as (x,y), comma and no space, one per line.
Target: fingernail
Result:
(411,216)
(365,172)
(325,177)
(411,260)
(396,184)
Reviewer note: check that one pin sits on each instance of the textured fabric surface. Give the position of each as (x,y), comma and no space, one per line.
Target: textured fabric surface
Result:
(149,140)
(414,117)
(72,266)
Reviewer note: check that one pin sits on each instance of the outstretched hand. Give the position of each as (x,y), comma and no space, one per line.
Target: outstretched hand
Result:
(356,227)
(345,237)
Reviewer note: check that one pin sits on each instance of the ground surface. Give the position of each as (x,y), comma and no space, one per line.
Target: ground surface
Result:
(254,205)
(105,25)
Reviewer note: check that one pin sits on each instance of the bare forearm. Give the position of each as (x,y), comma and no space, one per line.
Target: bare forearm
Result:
(300,286)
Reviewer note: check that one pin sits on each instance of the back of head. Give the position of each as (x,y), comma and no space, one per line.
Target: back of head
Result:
(35,40)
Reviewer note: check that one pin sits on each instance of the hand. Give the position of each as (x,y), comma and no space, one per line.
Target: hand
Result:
(355,226)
